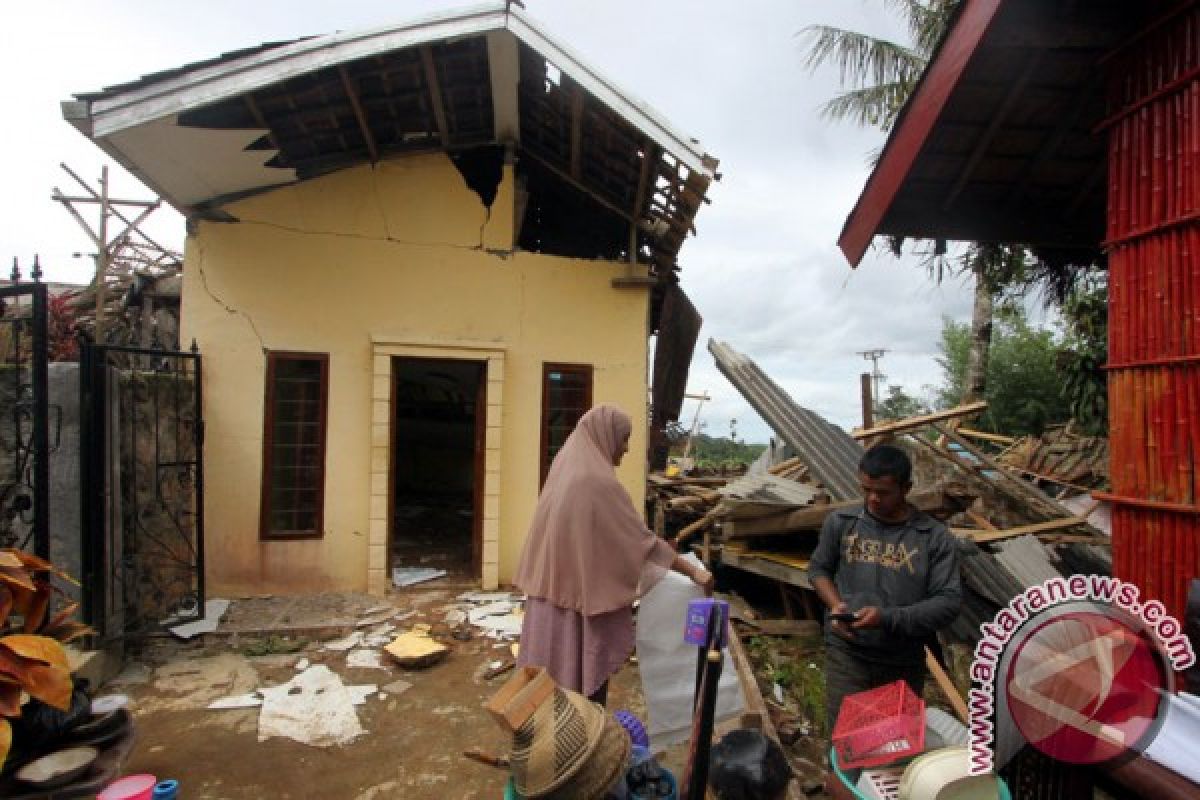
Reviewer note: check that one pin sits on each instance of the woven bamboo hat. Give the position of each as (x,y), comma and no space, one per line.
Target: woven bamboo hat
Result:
(564,746)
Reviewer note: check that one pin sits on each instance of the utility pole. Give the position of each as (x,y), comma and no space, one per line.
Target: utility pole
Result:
(105,249)
(703,397)
(876,376)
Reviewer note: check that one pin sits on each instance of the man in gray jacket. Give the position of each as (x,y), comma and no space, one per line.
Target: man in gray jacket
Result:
(889,575)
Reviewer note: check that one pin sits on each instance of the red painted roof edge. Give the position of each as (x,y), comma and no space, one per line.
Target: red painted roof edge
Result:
(914,125)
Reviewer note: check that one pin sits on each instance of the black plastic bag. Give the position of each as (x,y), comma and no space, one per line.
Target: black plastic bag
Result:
(41,726)
(748,765)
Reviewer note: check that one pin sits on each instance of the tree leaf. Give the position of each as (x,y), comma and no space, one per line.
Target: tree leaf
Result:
(6,602)
(10,698)
(17,577)
(8,558)
(68,631)
(35,614)
(50,684)
(37,648)
(5,740)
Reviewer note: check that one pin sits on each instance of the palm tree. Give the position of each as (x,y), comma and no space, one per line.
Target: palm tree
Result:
(878,76)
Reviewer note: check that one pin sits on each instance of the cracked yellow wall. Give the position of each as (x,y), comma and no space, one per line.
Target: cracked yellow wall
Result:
(403,252)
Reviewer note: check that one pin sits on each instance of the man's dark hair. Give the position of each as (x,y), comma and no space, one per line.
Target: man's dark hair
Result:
(747,765)
(884,461)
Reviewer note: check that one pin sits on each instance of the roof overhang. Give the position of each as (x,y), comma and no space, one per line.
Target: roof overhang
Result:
(1000,140)
(205,133)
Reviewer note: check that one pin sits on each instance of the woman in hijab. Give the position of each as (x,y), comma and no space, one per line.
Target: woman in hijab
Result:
(588,556)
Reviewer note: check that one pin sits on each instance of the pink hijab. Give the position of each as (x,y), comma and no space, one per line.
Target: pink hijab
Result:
(587,544)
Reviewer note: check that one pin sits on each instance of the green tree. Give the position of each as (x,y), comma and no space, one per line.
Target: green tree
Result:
(899,404)
(878,76)
(1084,353)
(1024,387)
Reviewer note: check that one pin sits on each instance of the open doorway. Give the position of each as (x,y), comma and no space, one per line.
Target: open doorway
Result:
(437,464)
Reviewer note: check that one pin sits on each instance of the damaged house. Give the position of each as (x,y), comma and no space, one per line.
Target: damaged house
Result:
(415,255)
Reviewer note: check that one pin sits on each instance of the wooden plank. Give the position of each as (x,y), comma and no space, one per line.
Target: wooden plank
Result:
(811,519)
(756,706)
(435,94)
(359,114)
(1033,495)
(785,466)
(767,569)
(947,686)
(983,537)
(987,437)
(912,423)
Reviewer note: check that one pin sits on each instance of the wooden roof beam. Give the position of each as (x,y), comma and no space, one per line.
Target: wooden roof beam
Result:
(579,185)
(364,128)
(1050,147)
(435,94)
(261,121)
(1006,106)
(577,100)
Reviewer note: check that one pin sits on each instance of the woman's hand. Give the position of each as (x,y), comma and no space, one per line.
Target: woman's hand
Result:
(705,580)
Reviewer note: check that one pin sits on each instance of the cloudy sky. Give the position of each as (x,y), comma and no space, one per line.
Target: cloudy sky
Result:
(764,271)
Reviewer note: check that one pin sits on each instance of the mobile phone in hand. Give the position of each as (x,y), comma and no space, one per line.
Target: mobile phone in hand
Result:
(843,616)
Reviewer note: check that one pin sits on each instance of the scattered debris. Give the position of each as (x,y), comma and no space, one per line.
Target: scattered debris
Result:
(214,609)
(408,576)
(365,659)
(498,668)
(273,645)
(313,708)
(302,665)
(416,649)
(396,687)
(376,618)
(345,643)
(251,700)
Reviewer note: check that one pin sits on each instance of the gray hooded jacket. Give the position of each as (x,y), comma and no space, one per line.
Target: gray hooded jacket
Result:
(908,570)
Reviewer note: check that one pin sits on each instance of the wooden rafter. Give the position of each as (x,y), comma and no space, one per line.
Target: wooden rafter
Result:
(566,177)
(1006,106)
(435,94)
(1049,148)
(356,105)
(261,121)
(577,100)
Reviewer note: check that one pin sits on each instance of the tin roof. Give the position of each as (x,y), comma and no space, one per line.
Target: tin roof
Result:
(830,453)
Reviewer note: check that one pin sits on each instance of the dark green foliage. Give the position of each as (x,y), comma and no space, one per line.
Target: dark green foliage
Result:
(1084,352)
(713,452)
(1025,392)
(899,404)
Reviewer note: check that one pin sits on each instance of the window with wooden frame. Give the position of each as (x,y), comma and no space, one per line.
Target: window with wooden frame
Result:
(566,396)
(293,483)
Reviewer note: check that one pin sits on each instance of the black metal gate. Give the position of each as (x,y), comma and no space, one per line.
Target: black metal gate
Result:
(24,412)
(142,433)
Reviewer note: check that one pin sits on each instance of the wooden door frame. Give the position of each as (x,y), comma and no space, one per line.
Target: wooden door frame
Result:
(383,348)
(478,456)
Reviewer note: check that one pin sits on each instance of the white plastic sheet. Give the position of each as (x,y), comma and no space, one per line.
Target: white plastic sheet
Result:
(668,664)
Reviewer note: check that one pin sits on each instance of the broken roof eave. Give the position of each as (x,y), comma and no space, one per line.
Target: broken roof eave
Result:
(103,116)
(914,126)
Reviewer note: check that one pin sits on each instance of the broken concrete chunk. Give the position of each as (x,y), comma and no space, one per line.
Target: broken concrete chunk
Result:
(214,609)
(302,665)
(313,708)
(365,659)
(376,618)
(455,617)
(416,649)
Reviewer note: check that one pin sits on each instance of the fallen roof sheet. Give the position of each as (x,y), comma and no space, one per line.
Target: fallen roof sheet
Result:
(830,453)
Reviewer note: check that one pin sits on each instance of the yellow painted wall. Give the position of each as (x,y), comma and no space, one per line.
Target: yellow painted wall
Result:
(406,251)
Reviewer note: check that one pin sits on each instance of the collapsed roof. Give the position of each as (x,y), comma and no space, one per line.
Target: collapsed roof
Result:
(481,84)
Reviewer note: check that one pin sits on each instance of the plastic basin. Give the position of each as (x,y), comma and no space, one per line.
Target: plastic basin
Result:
(131,787)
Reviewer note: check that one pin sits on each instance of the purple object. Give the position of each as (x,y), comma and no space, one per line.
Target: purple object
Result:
(634,727)
(696,630)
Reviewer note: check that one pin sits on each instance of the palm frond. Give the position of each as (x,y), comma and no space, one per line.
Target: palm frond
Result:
(876,106)
(861,60)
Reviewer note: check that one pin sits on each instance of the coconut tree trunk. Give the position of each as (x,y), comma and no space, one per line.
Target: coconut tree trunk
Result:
(981,336)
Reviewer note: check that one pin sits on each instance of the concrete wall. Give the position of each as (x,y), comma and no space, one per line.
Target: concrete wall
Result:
(65,525)
(365,264)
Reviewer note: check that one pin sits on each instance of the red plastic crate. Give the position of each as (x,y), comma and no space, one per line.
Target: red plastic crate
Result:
(879,726)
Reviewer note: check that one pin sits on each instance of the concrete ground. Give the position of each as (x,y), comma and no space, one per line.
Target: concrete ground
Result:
(415,736)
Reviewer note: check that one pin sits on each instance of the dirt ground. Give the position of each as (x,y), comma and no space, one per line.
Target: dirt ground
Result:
(414,740)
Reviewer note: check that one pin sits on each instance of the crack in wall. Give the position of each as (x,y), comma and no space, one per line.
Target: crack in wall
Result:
(226,306)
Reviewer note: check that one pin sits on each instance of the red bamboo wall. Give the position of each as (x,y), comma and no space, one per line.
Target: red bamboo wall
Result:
(1153,237)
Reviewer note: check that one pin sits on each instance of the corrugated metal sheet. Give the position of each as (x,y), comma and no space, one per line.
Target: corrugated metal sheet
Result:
(772,491)
(830,453)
